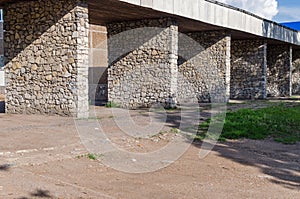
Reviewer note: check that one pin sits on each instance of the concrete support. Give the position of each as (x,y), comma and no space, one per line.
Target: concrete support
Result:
(296,72)
(46,47)
(143,62)
(279,71)
(205,67)
(248,69)
(98,65)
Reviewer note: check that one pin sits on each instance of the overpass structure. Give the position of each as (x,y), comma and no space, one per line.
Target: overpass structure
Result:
(62,53)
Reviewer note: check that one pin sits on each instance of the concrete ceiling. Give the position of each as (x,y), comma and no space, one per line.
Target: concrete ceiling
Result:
(108,11)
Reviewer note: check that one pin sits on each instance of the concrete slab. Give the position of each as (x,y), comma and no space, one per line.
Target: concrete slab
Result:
(2,78)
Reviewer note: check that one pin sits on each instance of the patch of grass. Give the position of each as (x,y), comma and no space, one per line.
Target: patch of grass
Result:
(280,122)
(175,130)
(90,156)
(112,105)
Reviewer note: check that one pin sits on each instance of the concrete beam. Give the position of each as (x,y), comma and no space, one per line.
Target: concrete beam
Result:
(218,14)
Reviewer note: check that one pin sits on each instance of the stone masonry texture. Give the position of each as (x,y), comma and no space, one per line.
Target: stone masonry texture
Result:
(279,70)
(204,66)
(248,69)
(143,62)
(296,72)
(46,47)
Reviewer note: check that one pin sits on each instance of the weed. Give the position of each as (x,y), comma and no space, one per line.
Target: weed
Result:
(92,156)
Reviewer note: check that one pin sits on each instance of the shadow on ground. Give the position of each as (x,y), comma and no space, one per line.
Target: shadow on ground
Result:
(5,167)
(39,193)
(280,163)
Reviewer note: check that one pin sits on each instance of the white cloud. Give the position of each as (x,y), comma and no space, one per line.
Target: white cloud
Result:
(264,8)
(288,14)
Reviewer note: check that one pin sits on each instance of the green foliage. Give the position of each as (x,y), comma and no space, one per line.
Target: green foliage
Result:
(279,122)
(93,156)
(112,105)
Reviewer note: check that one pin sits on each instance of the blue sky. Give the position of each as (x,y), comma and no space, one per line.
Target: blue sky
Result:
(289,10)
(277,10)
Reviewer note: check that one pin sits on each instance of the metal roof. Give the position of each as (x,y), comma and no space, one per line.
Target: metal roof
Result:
(292,25)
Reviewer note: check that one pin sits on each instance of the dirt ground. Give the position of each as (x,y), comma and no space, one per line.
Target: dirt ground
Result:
(43,157)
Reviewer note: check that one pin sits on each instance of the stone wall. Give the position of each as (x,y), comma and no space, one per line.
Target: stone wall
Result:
(204,66)
(248,69)
(46,46)
(279,59)
(296,72)
(143,62)
(98,64)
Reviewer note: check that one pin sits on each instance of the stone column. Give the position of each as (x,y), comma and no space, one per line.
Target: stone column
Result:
(296,72)
(279,71)
(248,69)
(205,66)
(46,49)
(143,62)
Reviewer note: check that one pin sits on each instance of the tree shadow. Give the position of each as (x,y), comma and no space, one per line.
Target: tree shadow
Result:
(279,162)
(5,167)
(38,193)
(41,193)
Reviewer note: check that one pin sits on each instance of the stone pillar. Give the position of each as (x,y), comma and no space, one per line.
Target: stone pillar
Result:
(248,69)
(279,71)
(46,49)
(143,62)
(296,72)
(205,66)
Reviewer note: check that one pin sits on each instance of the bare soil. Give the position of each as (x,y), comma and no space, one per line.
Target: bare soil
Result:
(43,157)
